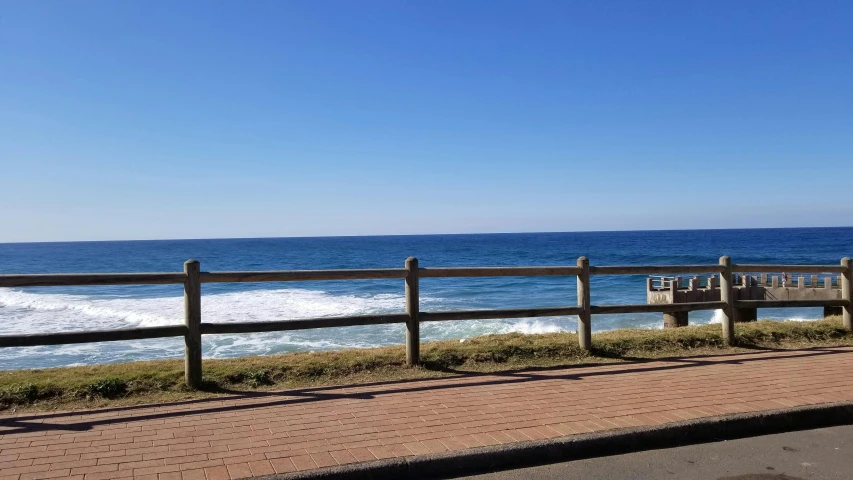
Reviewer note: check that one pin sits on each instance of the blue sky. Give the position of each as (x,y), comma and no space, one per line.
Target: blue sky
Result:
(136,120)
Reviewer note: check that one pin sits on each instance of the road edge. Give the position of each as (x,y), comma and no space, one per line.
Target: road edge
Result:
(576,447)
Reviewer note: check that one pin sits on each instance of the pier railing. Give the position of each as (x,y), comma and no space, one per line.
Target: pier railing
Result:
(193,328)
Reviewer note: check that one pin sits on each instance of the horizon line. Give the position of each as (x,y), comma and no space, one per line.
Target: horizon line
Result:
(422,235)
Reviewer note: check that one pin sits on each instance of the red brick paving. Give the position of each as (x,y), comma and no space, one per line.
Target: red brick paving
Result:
(238,437)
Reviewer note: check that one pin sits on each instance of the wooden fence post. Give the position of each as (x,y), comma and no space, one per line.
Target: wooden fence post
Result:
(585,317)
(413,329)
(726,296)
(847,292)
(192,318)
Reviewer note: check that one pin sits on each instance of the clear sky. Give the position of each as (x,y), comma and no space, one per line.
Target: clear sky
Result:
(174,119)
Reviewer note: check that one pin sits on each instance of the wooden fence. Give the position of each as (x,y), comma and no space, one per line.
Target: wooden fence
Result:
(194,328)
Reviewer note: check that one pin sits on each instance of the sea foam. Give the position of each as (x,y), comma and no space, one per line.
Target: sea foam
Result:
(26,312)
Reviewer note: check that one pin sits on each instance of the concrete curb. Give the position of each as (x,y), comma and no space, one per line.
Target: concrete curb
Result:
(575,447)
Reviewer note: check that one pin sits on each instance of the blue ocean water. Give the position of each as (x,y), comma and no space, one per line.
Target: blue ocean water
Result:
(32,310)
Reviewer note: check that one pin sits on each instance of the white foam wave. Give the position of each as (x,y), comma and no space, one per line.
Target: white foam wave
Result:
(802,319)
(718,316)
(25,312)
(475,328)
(294,303)
(536,326)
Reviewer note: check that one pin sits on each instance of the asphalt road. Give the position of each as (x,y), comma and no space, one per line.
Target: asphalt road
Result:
(825,454)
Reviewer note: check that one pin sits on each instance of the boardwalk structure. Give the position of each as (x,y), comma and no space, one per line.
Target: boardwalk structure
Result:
(772,290)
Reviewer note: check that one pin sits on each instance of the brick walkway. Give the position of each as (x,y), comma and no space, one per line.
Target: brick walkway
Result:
(299,430)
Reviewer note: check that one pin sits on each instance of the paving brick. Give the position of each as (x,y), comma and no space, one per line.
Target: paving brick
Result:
(86,450)
(186,459)
(380,452)
(282,465)
(141,464)
(64,473)
(434,446)
(154,470)
(201,464)
(239,470)
(110,475)
(53,459)
(398,450)
(119,459)
(303,462)
(217,473)
(196,474)
(452,444)
(361,454)
(323,459)
(261,467)
(26,469)
(343,457)
(73,464)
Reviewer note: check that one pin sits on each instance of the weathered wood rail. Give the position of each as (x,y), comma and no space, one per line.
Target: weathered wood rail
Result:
(193,329)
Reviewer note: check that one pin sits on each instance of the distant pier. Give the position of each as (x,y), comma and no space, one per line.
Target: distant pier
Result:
(764,287)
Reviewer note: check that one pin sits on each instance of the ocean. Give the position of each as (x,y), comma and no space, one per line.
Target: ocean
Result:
(55,309)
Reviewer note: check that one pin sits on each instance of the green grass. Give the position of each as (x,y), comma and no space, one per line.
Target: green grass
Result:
(162,381)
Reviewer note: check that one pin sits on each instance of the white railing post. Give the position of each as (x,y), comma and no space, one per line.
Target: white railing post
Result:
(726,297)
(847,292)
(585,317)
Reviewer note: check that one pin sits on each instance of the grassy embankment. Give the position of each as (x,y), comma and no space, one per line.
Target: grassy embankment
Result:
(162,381)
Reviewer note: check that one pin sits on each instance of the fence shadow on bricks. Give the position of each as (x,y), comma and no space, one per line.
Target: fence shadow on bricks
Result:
(77,421)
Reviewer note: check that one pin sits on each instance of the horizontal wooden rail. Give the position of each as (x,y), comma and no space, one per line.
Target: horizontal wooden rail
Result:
(62,338)
(80,279)
(301,275)
(83,279)
(788,268)
(788,303)
(653,269)
(498,271)
(656,308)
(492,314)
(302,324)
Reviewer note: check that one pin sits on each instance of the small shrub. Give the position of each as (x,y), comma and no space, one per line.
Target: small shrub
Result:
(483,357)
(256,378)
(208,384)
(19,394)
(29,392)
(108,388)
(252,378)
